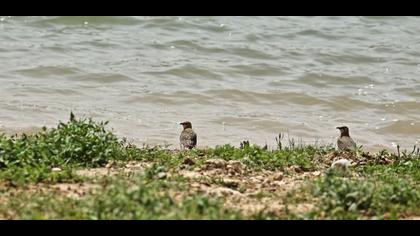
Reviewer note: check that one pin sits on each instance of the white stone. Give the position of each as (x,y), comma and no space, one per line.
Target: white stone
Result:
(341,164)
(56,169)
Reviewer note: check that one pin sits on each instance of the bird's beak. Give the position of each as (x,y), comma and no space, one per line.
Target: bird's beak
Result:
(338,127)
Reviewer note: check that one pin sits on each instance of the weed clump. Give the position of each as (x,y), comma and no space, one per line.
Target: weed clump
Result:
(79,142)
(371,196)
(258,157)
(138,199)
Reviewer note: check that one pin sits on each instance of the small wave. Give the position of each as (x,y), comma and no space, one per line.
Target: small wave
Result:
(80,20)
(47,71)
(190,45)
(188,71)
(401,127)
(348,103)
(102,78)
(258,69)
(346,58)
(183,98)
(318,34)
(250,53)
(327,80)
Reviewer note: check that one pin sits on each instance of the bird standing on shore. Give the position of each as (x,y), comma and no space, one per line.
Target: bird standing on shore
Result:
(344,142)
(188,137)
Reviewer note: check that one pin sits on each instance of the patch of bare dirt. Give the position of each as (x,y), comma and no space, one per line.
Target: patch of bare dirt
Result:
(113,168)
(242,188)
(248,190)
(71,190)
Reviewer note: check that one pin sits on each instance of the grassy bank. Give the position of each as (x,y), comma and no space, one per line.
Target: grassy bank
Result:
(80,170)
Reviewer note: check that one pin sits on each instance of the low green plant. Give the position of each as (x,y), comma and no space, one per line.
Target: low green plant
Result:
(345,198)
(260,158)
(119,199)
(77,143)
(383,185)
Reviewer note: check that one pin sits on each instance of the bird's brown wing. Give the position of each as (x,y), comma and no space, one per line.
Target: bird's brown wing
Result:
(340,144)
(194,139)
(346,143)
(188,138)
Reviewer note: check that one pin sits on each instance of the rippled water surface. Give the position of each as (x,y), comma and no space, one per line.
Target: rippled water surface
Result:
(234,78)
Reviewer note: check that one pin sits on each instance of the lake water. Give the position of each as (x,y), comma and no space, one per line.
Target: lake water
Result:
(234,78)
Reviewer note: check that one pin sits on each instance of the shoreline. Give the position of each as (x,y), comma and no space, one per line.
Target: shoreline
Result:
(33,130)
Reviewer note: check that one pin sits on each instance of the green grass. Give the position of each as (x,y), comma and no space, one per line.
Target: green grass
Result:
(140,198)
(381,191)
(77,143)
(386,186)
(85,143)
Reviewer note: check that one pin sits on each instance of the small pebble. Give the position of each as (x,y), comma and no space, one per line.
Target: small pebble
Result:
(161,175)
(341,164)
(110,164)
(278,176)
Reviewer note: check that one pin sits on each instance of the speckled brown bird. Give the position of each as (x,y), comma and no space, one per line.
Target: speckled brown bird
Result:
(344,142)
(188,137)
